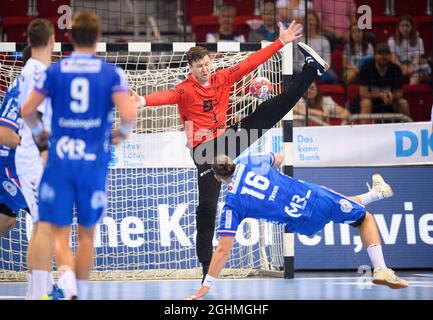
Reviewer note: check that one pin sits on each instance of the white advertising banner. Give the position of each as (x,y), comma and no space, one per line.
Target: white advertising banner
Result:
(331,146)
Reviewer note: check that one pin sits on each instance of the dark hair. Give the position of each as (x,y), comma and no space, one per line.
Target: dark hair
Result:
(196,53)
(413,36)
(86,27)
(316,103)
(382,48)
(228,7)
(316,16)
(27,54)
(39,32)
(364,42)
(223,166)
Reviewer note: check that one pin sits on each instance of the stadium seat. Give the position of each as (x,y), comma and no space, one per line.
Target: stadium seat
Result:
(337,62)
(16,28)
(420,101)
(243,7)
(409,7)
(50,10)
(194,8)
(336,91)
(352,93)
(384,27)
(377,6)
(424,26)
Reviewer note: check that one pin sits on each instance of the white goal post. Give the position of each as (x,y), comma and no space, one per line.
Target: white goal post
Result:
(148,231)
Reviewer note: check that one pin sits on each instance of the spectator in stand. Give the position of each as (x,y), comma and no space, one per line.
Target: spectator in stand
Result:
(268,30)
(356,52)
(407,50)
(381,83)
(337,17)
(320,44)
(322,107)
(225,32)
(289,10)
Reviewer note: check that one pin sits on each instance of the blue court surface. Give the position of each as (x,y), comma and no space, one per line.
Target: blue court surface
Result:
(305,286)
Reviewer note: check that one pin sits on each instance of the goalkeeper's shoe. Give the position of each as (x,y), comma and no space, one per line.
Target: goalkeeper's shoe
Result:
(388,278)
(381,188)
(313,57)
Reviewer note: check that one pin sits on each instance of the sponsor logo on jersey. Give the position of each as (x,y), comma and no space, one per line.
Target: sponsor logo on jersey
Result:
(346,206)
(10,188)
(98,200)
(80,65)
(80,123)
(47,193)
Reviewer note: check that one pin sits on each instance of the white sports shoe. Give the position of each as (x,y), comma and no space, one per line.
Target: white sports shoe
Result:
(383,190)
(388,278)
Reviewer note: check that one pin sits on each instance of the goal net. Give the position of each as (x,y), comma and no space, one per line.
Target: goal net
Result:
(148,230)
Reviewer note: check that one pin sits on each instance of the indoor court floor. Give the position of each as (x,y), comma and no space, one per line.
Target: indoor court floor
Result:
(305,286)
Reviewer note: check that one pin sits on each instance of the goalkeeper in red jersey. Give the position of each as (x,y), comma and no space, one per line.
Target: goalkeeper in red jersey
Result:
(203,100)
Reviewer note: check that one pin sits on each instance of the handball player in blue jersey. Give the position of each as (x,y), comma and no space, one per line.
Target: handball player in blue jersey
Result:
(83,90)
(257,190)
(11,196)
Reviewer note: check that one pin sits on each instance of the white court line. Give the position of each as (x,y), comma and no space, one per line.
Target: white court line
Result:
(11,297)
(423,275)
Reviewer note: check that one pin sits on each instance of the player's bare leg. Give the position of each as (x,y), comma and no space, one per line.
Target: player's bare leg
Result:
(42,248)
(84,259)
(66,262)
(7,223)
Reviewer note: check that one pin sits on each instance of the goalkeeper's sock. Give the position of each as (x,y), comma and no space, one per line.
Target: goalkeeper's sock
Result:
(368,197)
(376,256)
(83,289)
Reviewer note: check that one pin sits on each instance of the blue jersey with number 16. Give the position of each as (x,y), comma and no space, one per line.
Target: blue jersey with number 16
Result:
(261,192)
(81,88)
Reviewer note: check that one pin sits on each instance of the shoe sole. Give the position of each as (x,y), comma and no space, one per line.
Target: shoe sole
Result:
(390,285)
(314,54)
(384,183)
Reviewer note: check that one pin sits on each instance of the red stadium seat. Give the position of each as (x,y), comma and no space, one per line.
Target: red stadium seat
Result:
(202,25)
(420,101)
(352,93)
(195,8)
(336,91)
(16,28)
(424,26)
(243,7)
(337,62)
(377,6)
(409,7)
(384,27)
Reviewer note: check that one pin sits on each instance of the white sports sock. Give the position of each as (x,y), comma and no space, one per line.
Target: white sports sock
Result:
(83,289)
(39,288)
(67,282)
(50,282)
(376,256)
(368,197)
(29,286)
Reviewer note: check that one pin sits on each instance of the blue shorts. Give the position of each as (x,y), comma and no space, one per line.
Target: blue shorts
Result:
(11,195)
(61,188)
(331,206)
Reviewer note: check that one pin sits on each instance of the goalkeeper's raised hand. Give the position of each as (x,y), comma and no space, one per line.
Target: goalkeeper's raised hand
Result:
(292,33)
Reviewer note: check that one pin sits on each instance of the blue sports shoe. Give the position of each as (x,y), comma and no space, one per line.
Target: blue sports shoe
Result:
(57,293)
(312,56)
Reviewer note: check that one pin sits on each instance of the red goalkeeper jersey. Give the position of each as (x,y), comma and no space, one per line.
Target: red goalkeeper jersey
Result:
(203,110)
